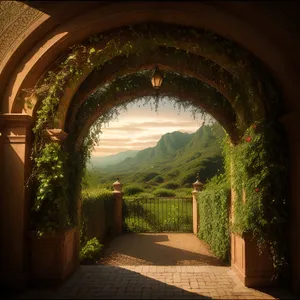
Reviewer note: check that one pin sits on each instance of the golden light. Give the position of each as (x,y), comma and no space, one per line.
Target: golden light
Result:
(156,79)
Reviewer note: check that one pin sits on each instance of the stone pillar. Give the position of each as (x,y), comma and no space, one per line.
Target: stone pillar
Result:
(118,206)
(291,122)
(14,201)
(197,187)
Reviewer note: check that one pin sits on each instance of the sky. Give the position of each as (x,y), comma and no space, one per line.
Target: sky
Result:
(140,127)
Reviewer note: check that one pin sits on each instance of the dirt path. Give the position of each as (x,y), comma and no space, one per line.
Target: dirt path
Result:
(168,249)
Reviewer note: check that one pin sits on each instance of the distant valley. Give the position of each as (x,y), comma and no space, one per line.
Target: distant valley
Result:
(177,156)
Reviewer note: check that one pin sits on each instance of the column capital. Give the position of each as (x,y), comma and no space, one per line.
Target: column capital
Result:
(291,123)
(14,127)
(56,134)
(15,120)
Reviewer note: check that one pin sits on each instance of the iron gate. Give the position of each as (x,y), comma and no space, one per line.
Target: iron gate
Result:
(168,214)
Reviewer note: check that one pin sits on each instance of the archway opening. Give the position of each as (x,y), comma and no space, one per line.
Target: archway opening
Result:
(235,91)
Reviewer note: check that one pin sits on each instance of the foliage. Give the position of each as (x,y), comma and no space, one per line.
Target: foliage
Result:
(97,208)
(183,192)
(143,195)
(132,189)
(81,60)
(259,167)
(50,208)
(161,192)
(213,205)
(171,185)
(158,179)
(148,176)
(258,172)
(90,251)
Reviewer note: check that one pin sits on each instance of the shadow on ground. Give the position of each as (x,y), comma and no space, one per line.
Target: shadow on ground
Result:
(156,249)
(111,282)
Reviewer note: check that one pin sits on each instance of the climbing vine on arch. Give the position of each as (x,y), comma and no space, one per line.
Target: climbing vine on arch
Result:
(91,55)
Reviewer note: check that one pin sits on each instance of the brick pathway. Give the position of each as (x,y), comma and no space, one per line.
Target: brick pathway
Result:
(154,282)
(147,280)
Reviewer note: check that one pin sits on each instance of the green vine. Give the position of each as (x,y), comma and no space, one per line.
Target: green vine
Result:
(256,168)
(50,209)
(258,173)
(213,203)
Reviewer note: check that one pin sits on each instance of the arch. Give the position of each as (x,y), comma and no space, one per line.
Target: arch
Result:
(249,25)
(192,94)
(222,20)
(177,61)
(130,41)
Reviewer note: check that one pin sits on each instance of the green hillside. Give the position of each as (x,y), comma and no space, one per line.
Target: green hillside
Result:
(177,157)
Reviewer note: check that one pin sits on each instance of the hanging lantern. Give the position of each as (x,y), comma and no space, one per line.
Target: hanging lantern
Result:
(156,79)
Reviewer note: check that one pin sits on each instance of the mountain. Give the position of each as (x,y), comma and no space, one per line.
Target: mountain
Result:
(165,148)
(104,161)
(177,156)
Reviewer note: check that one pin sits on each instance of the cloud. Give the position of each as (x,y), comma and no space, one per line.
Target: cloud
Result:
(145,126)
(113,140)
(111,150)
(140,128)
(124,127)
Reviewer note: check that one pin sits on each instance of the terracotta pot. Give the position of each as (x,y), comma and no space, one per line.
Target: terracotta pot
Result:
(53,256)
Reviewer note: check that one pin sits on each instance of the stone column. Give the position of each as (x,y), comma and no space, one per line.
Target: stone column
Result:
(118,206)
(291,122)
(197,187)
(14,201)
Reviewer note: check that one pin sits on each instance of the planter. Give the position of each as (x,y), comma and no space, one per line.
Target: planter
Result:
(252,268)
(54,257)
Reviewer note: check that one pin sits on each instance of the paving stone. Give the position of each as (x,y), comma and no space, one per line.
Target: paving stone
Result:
(152,281)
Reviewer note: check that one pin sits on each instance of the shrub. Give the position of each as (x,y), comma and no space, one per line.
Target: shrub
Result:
(143,195)
(158,179)
(171,185)
(184,192)
(213,204)
(133,190)
(96,214)
(188,178)
(90,252)
(164,193)
(148,176)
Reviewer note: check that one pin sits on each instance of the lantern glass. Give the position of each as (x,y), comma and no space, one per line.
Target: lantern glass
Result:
(156,79)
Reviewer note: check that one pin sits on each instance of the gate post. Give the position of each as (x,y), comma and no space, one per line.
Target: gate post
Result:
(118,206)
(197,187)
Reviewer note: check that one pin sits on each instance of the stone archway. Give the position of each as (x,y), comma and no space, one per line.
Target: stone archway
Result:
(55,95)
(36,65)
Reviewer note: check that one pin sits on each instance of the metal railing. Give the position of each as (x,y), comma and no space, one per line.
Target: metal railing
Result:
(160,214)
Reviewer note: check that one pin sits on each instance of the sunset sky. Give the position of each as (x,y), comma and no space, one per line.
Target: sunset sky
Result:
(140,127)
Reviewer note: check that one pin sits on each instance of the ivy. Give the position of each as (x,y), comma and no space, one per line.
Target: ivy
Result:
(258,173)
(50,208)
(255,167)
(213,206)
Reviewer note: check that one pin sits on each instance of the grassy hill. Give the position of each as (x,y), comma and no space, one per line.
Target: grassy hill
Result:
(177,157)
